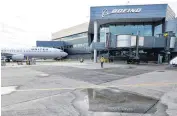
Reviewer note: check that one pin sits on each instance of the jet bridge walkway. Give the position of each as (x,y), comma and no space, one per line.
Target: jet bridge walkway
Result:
(53,44)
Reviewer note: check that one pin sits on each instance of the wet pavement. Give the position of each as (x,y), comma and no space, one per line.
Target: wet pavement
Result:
(62,89)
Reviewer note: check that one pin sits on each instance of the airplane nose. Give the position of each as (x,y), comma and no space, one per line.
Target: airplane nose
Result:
(65,54)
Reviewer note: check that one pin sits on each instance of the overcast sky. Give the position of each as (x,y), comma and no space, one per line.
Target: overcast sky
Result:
(22,22)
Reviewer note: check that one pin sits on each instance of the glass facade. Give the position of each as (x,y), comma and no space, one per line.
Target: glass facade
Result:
(103,32)
(76,40)
(157,30)
(129,29)
(145,30)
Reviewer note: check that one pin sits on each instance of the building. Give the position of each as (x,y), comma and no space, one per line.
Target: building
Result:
(76,37)
(112,28)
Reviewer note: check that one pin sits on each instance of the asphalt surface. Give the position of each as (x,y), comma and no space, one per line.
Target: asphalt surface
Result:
(61,89)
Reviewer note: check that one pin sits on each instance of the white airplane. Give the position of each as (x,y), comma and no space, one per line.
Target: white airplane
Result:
(20,54)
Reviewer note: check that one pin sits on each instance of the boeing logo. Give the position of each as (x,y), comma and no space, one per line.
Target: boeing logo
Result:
(105,12)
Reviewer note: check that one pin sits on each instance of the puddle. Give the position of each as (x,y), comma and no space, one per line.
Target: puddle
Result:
(8,90)
(108,100)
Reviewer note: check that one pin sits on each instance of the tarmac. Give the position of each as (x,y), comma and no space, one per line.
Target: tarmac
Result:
(85,89)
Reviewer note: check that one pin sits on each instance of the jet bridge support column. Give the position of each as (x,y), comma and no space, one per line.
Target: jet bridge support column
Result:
(27,61)
(95,39)
(167,49)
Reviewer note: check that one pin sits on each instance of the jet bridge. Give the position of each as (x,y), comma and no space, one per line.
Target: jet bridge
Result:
(53,44)
(136,48)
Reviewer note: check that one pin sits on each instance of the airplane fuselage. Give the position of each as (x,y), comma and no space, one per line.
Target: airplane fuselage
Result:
(37,52)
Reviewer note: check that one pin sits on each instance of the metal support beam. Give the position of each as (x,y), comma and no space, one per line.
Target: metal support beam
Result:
(137,46)
(91,93)
(95,39)
(167,50)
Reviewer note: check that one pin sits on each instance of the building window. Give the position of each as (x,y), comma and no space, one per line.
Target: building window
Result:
(144,30)
(147,30)
(158,30)
(103,31)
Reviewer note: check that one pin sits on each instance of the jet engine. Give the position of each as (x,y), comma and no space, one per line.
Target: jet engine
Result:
(18,57)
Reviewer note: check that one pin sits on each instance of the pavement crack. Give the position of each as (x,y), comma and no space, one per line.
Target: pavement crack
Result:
(33,100)
(49,108)
(151,107)
(72,102)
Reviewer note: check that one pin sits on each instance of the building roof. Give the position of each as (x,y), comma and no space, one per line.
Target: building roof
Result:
(71,31)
